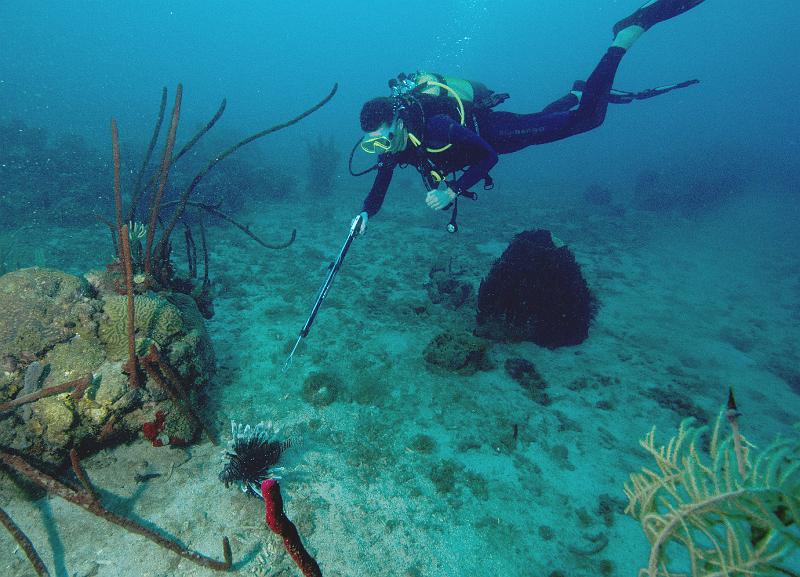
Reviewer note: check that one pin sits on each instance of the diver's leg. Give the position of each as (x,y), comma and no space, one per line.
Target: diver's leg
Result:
(509,132)
(629,29)
(593,105)
(569,101)
(594,101)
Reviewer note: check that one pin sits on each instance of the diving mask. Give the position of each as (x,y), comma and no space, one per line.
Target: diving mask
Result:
(384,139)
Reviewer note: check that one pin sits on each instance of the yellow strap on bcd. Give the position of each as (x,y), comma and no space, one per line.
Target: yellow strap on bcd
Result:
(431,84)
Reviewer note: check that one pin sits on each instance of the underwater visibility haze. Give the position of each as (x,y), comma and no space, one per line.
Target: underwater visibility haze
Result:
(220,351)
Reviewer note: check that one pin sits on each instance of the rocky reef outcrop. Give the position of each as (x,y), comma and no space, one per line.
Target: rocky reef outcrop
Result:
(57,327)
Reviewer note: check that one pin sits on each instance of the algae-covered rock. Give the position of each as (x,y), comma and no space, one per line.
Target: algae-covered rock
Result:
(41,307)
(460,353)
(446,288)
(178,429)
(111,383)
(72,360)
(57,328)
(524,372)
(321,388)
(56,416)
(193,352)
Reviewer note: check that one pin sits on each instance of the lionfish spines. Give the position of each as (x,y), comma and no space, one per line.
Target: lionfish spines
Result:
(252,455)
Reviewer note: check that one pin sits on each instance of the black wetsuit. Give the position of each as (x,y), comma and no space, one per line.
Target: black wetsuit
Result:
(476,152)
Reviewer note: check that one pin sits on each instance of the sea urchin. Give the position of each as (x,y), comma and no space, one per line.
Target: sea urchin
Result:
(251,456)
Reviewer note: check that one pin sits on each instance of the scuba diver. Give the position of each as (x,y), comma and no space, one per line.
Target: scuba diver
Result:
(444,125)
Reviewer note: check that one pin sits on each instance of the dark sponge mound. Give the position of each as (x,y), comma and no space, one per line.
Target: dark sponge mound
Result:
(535,292)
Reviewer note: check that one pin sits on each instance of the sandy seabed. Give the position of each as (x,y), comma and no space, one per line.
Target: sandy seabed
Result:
(415,472)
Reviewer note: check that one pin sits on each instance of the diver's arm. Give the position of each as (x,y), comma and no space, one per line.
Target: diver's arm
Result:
(374,200)
(482,155)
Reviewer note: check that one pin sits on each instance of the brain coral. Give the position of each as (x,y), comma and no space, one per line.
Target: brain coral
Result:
(156,320)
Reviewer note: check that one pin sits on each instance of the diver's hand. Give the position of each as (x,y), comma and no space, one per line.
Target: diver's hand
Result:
(440,198)
(362,227)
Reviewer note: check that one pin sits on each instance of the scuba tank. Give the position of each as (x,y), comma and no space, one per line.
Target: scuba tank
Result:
(432,94)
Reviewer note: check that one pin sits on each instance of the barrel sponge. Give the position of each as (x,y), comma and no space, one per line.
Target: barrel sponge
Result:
(155,318)
(535,292)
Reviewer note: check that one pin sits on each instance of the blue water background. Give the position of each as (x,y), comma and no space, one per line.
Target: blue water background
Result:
(71,66)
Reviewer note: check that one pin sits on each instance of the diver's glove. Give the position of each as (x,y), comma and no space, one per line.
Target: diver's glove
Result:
(362,228)
(440,198)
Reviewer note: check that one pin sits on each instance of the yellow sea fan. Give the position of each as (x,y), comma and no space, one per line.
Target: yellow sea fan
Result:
(729,524)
